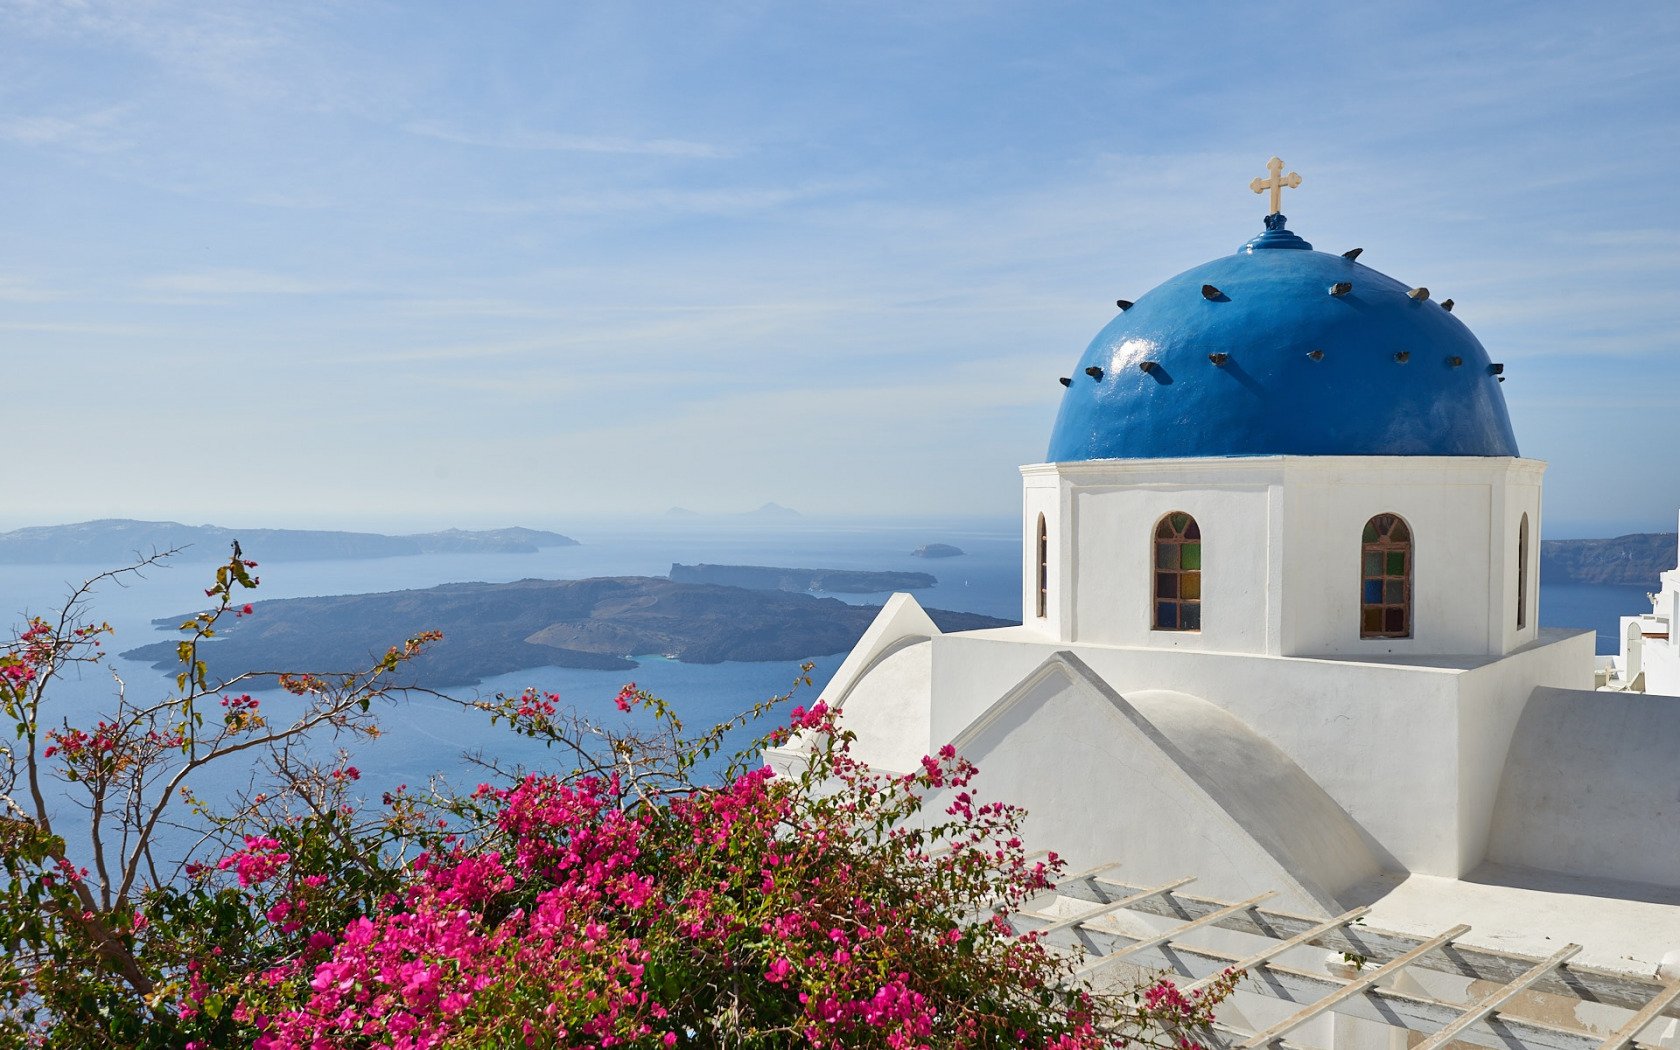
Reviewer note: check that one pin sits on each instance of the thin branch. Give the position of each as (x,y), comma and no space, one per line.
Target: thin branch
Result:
(326,715)
(98,842)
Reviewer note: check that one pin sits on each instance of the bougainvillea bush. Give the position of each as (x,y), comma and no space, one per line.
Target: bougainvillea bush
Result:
(103,930)
(627,902)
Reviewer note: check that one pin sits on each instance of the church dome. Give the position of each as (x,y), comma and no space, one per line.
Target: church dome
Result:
(1282,350)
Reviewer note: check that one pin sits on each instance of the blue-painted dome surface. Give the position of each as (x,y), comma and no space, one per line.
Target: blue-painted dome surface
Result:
(1392,376)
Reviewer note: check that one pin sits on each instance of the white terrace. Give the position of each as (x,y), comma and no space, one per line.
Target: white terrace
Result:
(1311,982)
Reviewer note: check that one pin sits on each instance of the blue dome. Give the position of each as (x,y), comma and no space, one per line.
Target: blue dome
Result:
(1268,361)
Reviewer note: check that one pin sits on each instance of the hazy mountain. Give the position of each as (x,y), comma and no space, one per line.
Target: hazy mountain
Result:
(115,541)
(1635,560)
(772,511)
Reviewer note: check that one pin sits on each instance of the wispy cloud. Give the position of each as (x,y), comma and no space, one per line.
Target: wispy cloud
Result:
(24,290)
(100,130)
(564,143)
(234,283)
(117,330)
(294,200)
(283,53)
(673,200)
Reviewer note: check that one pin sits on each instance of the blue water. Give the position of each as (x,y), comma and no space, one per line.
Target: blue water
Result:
(1592,607)
(426,737)
(422,737)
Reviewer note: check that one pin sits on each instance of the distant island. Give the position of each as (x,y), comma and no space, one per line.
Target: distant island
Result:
(936,550)
(496,628)
(114,541)
(834,581)
(1633,560)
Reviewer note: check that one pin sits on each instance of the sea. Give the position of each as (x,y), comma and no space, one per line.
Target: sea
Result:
(426,741)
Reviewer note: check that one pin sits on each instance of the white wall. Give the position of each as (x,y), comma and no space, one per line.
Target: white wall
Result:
(888,708)
(1521,494)
(1662,655)
(1104,531)
(1281,545)
(1121,792)
(1662,665)
(1459,511)
(1115,551)
(1591,787)
(1650,646)
(1042,494)
(1382,739)
(901,621)
(1492,699)
(1263,790)
(1411,751)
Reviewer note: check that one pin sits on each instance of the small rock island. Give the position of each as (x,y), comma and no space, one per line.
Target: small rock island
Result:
(937,550)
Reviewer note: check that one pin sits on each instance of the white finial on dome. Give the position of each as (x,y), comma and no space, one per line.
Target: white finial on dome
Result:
(1276,183)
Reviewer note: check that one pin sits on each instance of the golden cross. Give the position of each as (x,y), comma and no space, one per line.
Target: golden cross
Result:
(1276,183)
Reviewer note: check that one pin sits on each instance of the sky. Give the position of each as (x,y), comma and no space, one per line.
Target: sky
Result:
(344,264)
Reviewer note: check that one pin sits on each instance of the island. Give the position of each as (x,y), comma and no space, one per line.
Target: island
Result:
(117,541)
(1635,560)
(937,550)
(772,510)
(833,581)
(496,628)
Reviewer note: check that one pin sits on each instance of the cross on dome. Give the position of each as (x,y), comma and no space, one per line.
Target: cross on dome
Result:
(1276,183)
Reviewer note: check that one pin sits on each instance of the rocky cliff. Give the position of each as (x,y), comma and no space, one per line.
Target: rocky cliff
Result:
(1633,560)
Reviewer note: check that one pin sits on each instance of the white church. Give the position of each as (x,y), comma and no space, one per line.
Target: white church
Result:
(1279,593)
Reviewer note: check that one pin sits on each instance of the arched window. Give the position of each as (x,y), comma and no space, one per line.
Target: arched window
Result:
(1178,573)
(1522,572)
(1385,592)
(1043,568)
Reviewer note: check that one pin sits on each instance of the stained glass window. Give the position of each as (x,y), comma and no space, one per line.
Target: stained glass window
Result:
(1178,573)
(1385,584)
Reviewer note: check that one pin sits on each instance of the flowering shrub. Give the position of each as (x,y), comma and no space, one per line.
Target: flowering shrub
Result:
(818,910)
(625,903)
(103,936)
